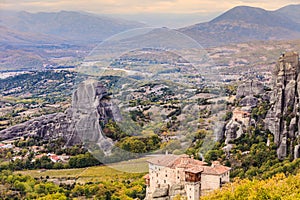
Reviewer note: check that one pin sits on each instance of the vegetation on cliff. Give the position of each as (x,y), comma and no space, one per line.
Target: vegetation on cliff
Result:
(279,187)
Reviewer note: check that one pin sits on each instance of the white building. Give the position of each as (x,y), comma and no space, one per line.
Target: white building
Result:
(171,175)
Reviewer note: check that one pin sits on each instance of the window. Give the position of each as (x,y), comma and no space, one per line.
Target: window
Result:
(165,181)
(166,175)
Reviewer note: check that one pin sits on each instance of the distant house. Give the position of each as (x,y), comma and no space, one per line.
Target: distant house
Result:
(54,158)
(6,146)
(170,175)
(64,158)
(242,116)
(17,157)
(38,157)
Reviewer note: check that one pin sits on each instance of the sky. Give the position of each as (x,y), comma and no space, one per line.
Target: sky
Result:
(155,12)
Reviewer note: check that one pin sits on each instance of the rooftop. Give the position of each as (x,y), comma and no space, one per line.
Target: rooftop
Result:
(189,164)
(173,161)
(215,170)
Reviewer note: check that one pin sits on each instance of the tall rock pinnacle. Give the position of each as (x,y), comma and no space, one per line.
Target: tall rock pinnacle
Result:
(282,119)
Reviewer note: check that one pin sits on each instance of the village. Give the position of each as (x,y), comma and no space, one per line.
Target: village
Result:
(18,152)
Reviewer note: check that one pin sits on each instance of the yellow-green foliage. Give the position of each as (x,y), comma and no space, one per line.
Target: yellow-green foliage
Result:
(279,187)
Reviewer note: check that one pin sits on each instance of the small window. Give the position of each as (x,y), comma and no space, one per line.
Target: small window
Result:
(166,175)
(165,181)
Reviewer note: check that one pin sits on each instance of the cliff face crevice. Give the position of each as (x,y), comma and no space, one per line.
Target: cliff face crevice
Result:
(282,119)
(78,124)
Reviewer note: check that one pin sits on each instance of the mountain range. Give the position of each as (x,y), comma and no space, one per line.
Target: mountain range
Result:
(239,24)
(30,40)
(244,23)
(60,27)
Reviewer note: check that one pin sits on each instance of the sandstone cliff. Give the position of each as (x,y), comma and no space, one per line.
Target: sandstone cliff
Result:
(80,123)
(282,119)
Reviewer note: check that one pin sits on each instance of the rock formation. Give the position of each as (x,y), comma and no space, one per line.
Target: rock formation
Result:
(80,123)
(250,88)
(282,119)
(241,117)
(233,130)
(166,192)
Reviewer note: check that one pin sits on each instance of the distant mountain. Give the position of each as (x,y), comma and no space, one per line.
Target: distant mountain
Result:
(242,24)
(74,27)
(291,11)
(11,36)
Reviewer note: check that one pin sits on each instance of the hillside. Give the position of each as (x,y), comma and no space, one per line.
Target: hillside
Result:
(291,11)
(278,187)
(11,36)
(74,27)
(243,23)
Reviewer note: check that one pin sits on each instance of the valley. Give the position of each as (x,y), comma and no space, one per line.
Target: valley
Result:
(96,107)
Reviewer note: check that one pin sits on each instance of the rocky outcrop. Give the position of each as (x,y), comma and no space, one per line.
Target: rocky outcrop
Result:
(46,127)
(233,130)
(165,192)
(247,94)
(91,106)
(283,118)
(249,101)
(161,192)
(250,88)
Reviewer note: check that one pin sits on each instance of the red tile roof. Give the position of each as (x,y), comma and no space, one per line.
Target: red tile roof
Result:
(165,160)
(194,170)
(215,170)
(173,161)
(189,164)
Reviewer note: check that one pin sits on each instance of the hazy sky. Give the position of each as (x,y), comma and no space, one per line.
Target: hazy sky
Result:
(187,11)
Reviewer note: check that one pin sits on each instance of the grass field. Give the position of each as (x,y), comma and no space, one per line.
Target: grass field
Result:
(131,169)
